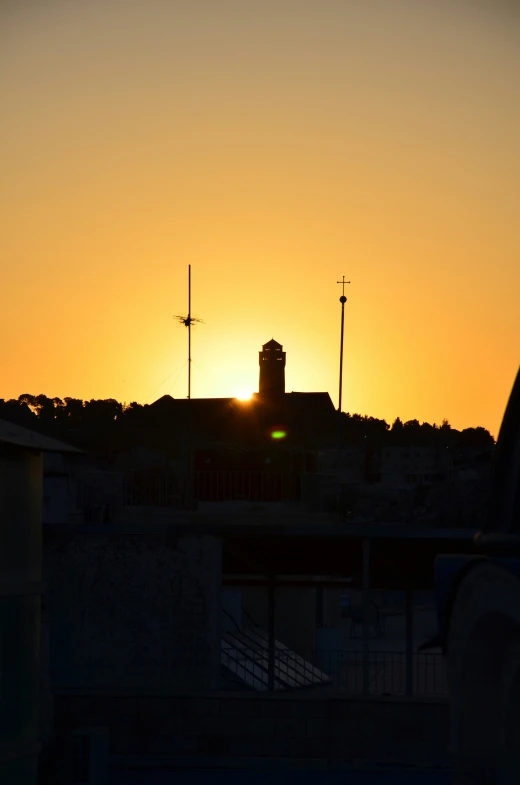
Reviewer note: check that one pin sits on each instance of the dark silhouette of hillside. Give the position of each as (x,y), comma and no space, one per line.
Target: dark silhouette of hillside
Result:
(106,425)
(358,429)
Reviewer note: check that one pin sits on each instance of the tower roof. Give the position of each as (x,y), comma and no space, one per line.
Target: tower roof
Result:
(272,344)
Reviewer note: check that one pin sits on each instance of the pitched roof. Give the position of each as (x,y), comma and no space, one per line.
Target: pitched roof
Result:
(272,344)
(23,437)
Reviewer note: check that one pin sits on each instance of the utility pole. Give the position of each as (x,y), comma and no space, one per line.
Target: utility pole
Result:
(342,300)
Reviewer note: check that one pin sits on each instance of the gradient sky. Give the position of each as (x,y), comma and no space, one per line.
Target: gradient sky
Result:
(274,145)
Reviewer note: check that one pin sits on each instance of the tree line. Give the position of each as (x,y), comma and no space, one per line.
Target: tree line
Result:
(357,428)
(90,424)
(101,421)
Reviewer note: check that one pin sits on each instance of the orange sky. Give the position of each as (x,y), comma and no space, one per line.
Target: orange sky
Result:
(275,145)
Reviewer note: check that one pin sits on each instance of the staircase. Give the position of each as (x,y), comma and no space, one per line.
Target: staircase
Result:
(245,663)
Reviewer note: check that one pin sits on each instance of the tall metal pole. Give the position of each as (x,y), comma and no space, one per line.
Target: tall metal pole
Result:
(342,300)
(189,331)
(187,322)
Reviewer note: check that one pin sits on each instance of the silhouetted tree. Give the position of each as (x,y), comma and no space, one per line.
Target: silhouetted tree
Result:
(18,412)
(102,412)
(361,429)
(411,432)
(28,400)
(475,437)
(74,411)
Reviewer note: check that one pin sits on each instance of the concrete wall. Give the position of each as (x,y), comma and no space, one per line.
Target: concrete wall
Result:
(252,726)
(132,610)
(20,613)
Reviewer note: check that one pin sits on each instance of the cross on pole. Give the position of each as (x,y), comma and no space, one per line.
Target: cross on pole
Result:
(343,282)
(342,300)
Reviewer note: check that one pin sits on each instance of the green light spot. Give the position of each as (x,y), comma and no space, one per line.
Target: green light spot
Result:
(278,434)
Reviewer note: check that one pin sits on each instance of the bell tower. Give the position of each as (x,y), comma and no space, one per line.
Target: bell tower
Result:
(272,369)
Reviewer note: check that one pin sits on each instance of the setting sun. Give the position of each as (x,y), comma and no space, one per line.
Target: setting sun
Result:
(244,396)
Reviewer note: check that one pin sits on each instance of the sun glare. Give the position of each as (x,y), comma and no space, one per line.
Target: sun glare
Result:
(244,396)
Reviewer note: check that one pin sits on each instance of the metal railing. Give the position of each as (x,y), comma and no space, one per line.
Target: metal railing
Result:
(100,495)
(250,486)
(246,666)
(387,671)
(154,490)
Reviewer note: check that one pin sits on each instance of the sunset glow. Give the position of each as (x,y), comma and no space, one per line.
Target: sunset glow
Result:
(244,396)
(273,151)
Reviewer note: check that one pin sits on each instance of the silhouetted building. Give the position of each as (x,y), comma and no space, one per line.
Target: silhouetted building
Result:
(25,707)
(272,369)
(303,420)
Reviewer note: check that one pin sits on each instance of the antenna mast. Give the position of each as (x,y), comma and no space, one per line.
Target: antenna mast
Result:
(187,322)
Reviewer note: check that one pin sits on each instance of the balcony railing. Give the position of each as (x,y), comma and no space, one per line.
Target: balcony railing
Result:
(336,672)
(250,486)
(101,495)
